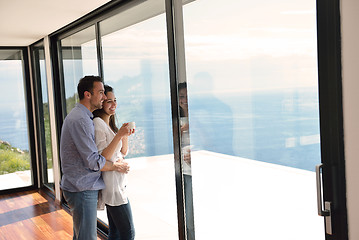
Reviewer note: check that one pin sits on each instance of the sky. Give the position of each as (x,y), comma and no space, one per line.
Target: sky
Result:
(242,45)
(12,88)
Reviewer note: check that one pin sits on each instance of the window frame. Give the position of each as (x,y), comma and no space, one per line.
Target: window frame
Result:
(29,108)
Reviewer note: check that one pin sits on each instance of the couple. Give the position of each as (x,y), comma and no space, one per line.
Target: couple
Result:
(90,146)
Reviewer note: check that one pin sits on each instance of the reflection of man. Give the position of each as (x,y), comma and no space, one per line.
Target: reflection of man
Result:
(80,161)
(186,153)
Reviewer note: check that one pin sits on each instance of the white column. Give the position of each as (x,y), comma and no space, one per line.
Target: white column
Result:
(54,142)
(350,73)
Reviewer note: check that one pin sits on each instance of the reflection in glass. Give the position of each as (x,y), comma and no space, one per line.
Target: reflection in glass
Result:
(135,64)
(40,75)
(186,160)
(79,58)
(253,117)
(15,167)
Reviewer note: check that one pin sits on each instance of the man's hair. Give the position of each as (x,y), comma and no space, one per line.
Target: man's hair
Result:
(86,84)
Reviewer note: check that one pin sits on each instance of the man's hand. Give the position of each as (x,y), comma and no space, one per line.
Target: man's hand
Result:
(121,166)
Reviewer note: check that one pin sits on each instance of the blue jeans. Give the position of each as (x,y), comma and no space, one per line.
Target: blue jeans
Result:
(189,206)
(83,206)
(120,222)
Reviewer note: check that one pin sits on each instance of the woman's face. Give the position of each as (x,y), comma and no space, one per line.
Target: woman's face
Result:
(182,94)
(110,104)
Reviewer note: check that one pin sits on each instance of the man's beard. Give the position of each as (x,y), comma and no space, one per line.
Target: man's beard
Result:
(98,106)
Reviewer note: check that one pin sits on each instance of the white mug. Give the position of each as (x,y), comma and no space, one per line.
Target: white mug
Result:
(131,126)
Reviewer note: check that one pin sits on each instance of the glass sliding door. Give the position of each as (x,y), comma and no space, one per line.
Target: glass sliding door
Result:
(15,160)
(79,58)
(39,67)
(253,116)
(135,63)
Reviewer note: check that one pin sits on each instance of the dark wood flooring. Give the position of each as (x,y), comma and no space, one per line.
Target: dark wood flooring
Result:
(33,215)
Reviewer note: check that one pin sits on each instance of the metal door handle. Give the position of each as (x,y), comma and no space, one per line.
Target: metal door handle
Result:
(321,212)
(326,212)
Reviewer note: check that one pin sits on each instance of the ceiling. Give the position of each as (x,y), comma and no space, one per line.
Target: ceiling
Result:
(23,22)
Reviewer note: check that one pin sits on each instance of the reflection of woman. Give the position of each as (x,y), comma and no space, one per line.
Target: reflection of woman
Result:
(183,104)
(109,138)
(183,107)
(187,172)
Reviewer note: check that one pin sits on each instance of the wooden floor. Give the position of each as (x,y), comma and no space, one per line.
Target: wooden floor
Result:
(33,215)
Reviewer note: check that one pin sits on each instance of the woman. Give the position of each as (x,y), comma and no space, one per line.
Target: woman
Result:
(109,138)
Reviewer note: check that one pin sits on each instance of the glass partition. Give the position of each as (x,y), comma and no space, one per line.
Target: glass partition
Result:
(39,68)
(249,115)
(135,63)
(253,118)
(15,165)
(79,58)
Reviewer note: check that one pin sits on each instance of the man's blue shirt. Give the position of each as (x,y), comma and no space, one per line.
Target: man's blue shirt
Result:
(80,161)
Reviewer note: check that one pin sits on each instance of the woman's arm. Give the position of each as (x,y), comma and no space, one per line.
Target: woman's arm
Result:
(123,132)
(124,149)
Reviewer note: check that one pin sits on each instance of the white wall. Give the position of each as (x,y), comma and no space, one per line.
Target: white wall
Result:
(350,68)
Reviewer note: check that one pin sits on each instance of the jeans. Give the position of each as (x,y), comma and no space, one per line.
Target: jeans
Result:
(120,222)
(189,207)
(83,206)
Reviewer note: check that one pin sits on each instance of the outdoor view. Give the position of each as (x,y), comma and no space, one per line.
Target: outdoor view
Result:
(14,145)
(253,116)
(14,141)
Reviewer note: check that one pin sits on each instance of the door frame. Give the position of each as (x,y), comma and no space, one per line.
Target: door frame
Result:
(331,115)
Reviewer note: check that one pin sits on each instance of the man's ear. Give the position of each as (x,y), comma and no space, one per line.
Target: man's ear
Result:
(87,94)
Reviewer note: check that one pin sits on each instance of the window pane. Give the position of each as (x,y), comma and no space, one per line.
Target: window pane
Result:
(15,165)
(79,58)
(254,118)
(136,66)
(46,147)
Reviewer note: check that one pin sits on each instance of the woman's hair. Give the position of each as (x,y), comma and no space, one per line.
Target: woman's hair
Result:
(100,112)
(182,85)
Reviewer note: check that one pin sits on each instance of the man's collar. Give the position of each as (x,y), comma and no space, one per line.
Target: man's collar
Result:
(85,109)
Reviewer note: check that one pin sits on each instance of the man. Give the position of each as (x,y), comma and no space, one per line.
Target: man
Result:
(80,161)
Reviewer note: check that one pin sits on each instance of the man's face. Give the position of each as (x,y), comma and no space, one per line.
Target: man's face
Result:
(97,95)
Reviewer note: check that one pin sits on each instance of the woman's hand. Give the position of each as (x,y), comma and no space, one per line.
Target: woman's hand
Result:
(125,131)
(185,127)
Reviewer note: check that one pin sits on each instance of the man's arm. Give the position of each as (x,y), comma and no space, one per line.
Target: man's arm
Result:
(83,139)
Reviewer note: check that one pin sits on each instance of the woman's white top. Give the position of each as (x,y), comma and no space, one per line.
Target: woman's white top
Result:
(186,148)
(114,194)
